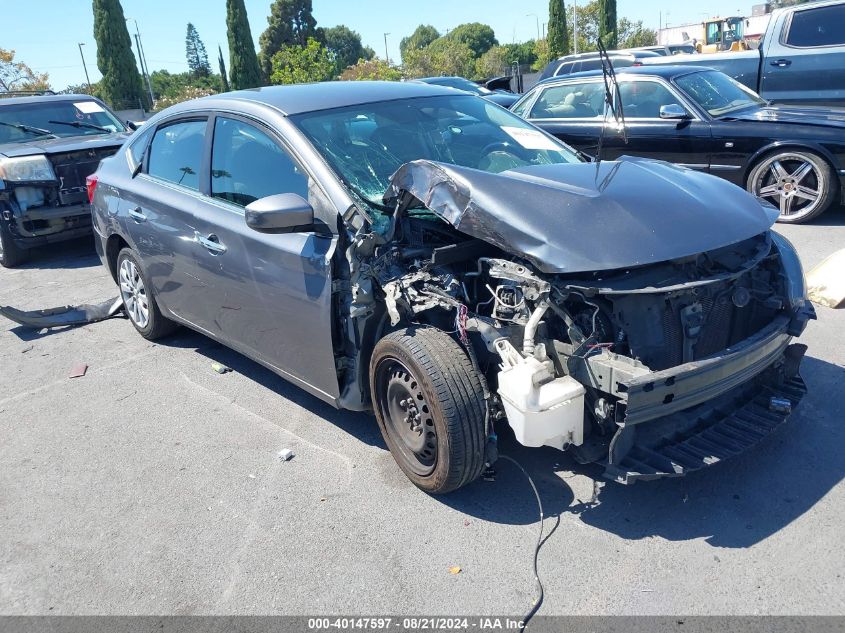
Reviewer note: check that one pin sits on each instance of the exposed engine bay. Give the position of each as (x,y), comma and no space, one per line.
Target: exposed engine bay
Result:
(580,360)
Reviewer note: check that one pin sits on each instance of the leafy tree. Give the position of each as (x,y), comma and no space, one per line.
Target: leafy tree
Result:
(346,46)
(479,38)
(607,23)
(168,85)
(290,22)
(15,75)
(224,78)
(196,54)
(558,33)
(492,63)
(185,94)
(523,53)
(295,64)
(588,25)
(371,70)
(634,35)
(243,62)
(422,36)
(121,83)
(444,56)
(542,56)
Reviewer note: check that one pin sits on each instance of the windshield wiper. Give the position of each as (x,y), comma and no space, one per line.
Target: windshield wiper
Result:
(81,124)
(611,86)
(28,128)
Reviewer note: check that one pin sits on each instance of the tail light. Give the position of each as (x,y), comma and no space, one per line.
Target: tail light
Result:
(91,186)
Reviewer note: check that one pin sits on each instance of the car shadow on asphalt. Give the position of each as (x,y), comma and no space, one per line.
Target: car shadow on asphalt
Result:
(734,504)
(71,255)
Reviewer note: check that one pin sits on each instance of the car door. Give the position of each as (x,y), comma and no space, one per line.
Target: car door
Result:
(267,295)
(804,62)
(571,111)
(158,210)
(684,141)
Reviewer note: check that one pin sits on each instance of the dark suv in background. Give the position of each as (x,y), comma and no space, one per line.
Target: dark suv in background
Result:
(49,145)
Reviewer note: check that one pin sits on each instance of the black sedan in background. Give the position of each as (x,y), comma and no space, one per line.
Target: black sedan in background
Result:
(504,99)
(699,118)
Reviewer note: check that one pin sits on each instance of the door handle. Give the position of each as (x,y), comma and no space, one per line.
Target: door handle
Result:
(781,63)
(137,215)
(210,243)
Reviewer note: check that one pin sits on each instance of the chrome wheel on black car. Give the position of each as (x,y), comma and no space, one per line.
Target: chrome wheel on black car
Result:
(800,184)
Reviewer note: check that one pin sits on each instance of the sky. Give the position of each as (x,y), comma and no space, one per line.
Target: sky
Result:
(46,33)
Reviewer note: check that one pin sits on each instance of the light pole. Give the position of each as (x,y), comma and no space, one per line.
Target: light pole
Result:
(386,55)
(537,19)
(143,61)
(575,26)
(87,78)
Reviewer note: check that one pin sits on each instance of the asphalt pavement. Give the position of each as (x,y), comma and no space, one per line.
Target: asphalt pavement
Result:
(152,485)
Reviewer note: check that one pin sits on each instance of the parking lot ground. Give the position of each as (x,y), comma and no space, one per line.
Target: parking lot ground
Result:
(152,485)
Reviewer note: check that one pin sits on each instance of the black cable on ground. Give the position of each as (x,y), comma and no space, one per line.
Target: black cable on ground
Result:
(539,600)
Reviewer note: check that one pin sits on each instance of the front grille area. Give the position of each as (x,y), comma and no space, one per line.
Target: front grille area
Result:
(72,168)
(717,331)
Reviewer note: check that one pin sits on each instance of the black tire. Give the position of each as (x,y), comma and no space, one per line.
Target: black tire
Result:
(11,254)
(152,325)
(440,443)
(773,177)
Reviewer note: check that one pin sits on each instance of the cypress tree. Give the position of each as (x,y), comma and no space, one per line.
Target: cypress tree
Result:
(290,23)
(243,62)
(121,85)
(558,37)
(607,23)
(222,65)
(196,54)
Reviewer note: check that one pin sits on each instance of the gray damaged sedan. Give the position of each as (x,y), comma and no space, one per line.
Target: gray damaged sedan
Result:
(433,258)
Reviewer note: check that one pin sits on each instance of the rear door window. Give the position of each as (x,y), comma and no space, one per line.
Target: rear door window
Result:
(824,26)
(176,153)
(571,101)
(248,164)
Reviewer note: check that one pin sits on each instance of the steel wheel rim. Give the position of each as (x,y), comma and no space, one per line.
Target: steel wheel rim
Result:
(407,416)
(792,183)
(134,293)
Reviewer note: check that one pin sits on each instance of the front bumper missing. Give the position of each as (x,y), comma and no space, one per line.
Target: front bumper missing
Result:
(710,432)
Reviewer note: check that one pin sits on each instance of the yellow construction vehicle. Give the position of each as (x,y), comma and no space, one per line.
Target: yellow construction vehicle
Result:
(723,34)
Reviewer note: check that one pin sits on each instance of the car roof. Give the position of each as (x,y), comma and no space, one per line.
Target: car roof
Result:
(625,52)
(666,71)
(44,98)
(301,98)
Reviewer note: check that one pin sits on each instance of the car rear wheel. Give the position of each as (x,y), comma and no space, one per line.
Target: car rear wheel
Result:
(800,184)
(429,405)
(138,300)
(10,254)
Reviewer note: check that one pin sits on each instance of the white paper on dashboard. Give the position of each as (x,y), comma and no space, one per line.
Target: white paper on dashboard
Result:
(530,139)
(88,107)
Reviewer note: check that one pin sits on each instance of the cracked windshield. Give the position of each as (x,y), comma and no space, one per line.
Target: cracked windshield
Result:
(365,144)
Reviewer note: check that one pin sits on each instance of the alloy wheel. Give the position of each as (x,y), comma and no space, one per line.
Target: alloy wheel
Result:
(134,293)
(792,182)
(407,415)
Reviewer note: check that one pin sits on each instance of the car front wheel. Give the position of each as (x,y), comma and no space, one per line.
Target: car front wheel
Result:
(138,300)
(430,407)
(10,254)
(800,184)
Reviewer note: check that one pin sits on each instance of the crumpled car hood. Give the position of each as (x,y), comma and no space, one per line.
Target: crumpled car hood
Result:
(573,218)
(800,115)
(62,144)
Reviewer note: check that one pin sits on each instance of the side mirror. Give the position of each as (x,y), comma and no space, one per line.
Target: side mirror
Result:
(673,111)
(280,213)
(132,126)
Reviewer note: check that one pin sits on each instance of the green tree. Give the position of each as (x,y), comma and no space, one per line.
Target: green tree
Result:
(80,89)
(224,78)
(167,85)
(588,25)
(479,38)
(371,70)
(558,34)
(346,46)
(444,56)
(243,62)
(607,23)
(15,75)
(522,53)
(493,63)
(422,36)
(290,22)
(295,64)
(635,35)
(121,83)
(196,54)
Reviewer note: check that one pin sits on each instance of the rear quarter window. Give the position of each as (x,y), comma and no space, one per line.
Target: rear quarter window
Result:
(824,26)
